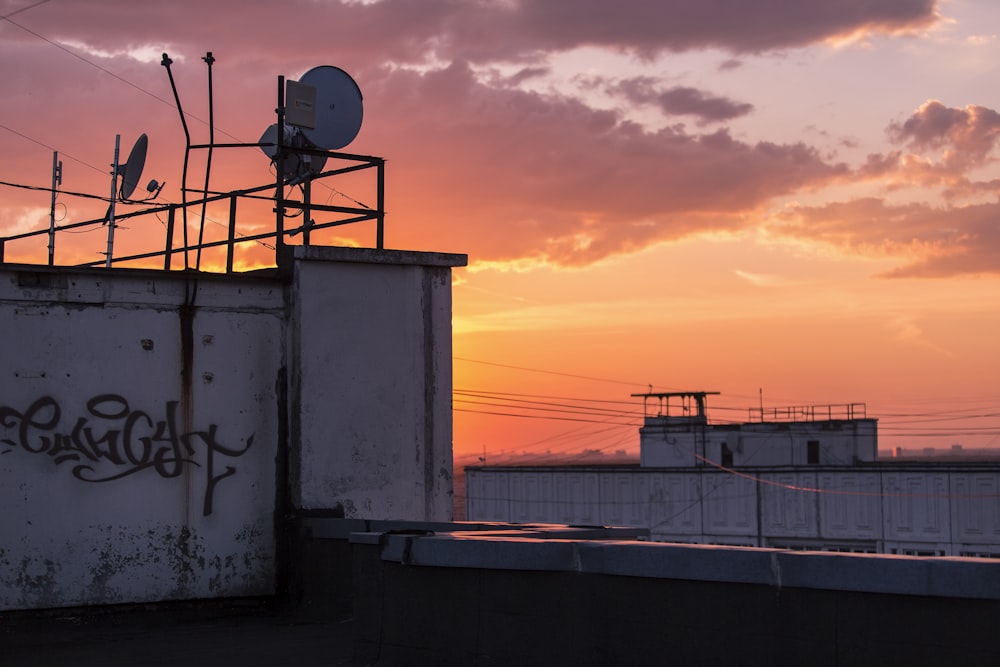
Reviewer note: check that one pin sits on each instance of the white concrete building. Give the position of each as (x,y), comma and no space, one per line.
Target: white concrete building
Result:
(797,478)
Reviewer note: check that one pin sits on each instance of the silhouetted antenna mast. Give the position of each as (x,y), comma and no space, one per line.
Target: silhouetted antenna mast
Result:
(56,182)
(209,60)
(130,172)
(167,62)
(320,112)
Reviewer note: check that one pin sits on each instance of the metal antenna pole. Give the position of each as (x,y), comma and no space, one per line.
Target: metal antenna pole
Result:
(56,182)
(279,194)
(166,62)
(111,210)
(209,60)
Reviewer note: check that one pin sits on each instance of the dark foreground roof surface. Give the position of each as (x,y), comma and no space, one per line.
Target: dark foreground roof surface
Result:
(245,633)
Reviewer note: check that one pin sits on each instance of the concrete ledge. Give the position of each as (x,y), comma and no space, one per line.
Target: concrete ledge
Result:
(371,256)
(866,573)
(323,527)
(533,549)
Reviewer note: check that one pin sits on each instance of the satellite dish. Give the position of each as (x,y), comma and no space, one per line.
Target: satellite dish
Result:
(296,164)
(323,112)
(131,171)
(338,108)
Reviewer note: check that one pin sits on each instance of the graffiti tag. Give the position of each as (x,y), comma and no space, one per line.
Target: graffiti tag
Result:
(114,441)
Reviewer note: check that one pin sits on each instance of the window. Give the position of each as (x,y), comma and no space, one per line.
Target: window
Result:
(812,452)
(727,456)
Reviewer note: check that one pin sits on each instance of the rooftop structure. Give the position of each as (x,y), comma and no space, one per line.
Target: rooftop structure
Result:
(161,429)
(677,433)
(804,477)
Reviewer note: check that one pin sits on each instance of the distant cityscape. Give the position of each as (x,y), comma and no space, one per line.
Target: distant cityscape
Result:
(620,457)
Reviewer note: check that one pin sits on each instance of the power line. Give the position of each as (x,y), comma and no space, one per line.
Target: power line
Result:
(511,414)
(537,370)
(45,145)
(560,398)
(61,192)
(22,9)
(108,72)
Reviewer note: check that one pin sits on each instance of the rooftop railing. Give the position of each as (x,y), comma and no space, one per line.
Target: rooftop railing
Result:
(809,413)
(173,253)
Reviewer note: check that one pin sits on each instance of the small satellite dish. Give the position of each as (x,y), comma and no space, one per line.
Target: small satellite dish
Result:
(131,171)
(296,164)
(338,108)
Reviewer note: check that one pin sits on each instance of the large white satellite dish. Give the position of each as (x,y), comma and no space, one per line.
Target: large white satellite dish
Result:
(338,107)
(323,112)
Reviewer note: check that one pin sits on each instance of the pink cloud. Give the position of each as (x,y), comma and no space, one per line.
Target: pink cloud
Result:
(967,135)
(531,174)
(473,166)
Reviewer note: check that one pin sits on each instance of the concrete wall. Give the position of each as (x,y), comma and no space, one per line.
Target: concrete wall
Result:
(527,599)
(677,443)
(888,508)
(138,433)
(371,366)
(157,429)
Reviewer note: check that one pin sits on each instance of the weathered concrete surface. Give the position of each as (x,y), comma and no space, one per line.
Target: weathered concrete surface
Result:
(371,363)
(138,433)
(158,429)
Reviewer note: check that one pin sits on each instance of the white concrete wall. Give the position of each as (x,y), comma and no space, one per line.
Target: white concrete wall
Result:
(137,437)
(660,447)
(945,510)
(156,428)
(371,370)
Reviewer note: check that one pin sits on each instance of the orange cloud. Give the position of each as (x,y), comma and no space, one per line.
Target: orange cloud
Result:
(931,241)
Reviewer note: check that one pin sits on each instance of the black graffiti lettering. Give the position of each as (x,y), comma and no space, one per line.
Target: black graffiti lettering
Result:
(68,447)
(118,442)
(26,421)
(110,450)
(86,473)
(213,448)
(79,440)
(95,405)
(129,440)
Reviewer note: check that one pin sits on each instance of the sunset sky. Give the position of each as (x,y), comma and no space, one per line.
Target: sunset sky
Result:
(788,202)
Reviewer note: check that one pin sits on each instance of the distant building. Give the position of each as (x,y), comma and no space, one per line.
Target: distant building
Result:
(797,478)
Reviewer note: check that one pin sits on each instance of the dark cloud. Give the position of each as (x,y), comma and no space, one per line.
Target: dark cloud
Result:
(504,30)
(681,100)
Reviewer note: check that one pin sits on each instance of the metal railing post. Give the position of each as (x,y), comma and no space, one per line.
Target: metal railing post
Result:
(279,194)
(168,251)
(380,207)
(231,247)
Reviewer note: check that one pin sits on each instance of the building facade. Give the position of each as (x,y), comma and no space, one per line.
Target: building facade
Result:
(796,478)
